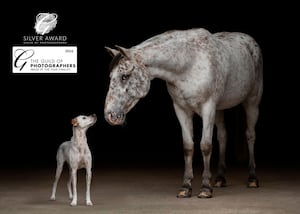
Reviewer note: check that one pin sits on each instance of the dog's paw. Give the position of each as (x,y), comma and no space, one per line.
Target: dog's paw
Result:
(73,203)
(89,203)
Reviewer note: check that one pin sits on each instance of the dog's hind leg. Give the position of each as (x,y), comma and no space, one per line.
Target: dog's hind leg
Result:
(59,168)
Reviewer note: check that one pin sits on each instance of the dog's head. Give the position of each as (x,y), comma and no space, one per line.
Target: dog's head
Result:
(84,121)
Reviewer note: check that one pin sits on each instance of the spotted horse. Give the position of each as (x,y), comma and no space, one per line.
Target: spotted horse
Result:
(205,74)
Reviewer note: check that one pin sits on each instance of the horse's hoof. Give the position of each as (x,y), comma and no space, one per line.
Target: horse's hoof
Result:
(253,183)
(220,182)
(184,193)
(205,193)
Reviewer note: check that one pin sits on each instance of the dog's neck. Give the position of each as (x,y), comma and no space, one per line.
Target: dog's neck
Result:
(79,136)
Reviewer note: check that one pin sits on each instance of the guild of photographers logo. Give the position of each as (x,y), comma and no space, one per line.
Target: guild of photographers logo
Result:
(44,59)
(44,52)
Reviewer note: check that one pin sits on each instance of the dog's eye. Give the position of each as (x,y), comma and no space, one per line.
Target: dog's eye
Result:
(84,118)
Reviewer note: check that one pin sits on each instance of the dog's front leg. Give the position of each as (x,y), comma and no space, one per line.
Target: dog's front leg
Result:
(88,185)
(69,185)
(74,185)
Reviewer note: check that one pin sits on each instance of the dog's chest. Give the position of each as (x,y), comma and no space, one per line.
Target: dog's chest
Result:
(83,156)
(83,152)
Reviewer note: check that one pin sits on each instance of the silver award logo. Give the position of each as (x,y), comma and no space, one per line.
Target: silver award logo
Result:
(45,22)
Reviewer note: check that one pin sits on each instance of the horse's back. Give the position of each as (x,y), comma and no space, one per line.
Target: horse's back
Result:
(240,40)
(188,36)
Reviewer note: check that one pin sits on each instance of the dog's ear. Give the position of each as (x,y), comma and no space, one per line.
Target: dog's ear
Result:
(74,122)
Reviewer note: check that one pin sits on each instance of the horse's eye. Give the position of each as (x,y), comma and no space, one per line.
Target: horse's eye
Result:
(125,76)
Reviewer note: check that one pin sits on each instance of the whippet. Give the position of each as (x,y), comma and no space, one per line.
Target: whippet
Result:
(77,154)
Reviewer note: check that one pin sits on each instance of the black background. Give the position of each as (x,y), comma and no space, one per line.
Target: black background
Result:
(38,109)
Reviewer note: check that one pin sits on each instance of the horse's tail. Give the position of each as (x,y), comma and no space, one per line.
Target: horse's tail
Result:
(256,54)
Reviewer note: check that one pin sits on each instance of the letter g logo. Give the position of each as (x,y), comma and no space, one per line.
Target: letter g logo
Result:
(21,57)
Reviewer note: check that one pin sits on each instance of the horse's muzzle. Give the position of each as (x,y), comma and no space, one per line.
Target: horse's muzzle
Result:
(114,118)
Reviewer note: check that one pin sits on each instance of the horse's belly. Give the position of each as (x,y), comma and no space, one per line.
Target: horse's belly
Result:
(229,101)
(235,93)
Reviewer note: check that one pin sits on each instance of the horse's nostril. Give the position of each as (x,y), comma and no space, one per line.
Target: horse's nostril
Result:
(114,118)
(109,116)
(114,115)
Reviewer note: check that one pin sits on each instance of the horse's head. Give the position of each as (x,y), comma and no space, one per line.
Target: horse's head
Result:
(129,82)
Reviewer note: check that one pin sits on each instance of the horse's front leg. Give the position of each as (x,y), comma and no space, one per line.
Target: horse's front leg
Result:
(208,116)
(185,118)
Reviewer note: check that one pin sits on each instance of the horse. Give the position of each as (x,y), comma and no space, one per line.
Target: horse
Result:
(205,73)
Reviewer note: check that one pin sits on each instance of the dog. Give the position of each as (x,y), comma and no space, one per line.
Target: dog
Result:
(77,154)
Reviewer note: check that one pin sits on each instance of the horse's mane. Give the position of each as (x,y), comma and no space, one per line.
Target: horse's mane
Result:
(115,61)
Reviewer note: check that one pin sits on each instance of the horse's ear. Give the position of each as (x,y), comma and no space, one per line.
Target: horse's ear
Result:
(112,52)
(125,52)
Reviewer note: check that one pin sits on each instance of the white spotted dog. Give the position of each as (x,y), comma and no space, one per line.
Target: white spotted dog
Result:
(77,154)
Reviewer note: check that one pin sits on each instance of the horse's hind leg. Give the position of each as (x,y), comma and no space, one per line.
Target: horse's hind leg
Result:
(252,111)
(220,180)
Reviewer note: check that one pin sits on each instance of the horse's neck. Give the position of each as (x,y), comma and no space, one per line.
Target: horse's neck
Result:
(165,61)
(172,54)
